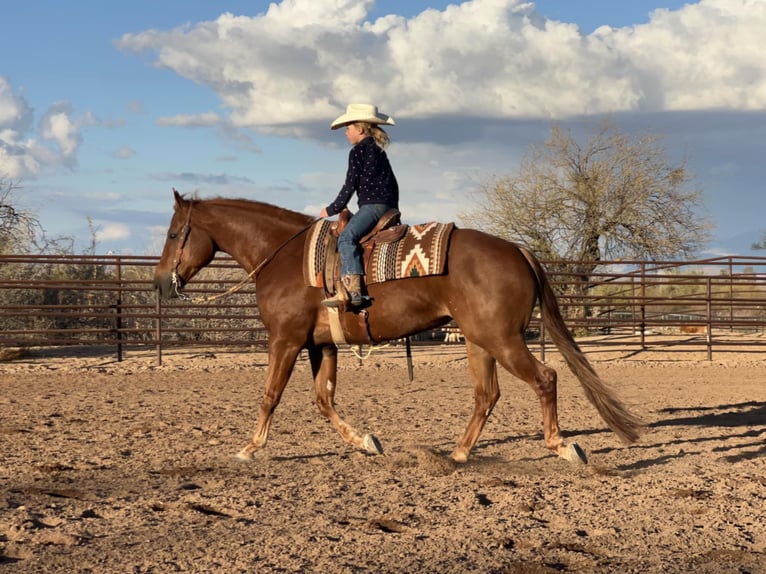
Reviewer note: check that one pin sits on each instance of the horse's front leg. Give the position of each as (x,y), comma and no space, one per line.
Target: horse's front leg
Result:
(282,357)
(324,366)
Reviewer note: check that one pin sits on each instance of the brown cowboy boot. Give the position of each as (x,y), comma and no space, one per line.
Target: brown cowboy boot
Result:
(348,289)
(339,297)
(353,285)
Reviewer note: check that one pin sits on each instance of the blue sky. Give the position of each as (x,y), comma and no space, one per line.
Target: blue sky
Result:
(105,106)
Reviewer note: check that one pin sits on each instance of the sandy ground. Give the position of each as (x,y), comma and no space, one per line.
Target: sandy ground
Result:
(129,467)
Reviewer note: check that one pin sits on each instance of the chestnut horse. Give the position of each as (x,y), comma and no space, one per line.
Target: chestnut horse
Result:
(489,290)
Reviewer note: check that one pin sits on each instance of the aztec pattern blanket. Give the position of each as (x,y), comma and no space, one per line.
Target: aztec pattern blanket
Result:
(422,251)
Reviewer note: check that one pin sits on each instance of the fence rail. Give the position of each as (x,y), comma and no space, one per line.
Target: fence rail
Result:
(110,300)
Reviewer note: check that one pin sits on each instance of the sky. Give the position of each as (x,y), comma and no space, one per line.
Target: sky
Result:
(105,107)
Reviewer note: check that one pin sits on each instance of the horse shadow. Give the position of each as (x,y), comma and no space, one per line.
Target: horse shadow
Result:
(749,413)
(744,415)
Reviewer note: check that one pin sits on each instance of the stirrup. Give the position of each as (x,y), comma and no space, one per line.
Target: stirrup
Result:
(332,302)
(355,299)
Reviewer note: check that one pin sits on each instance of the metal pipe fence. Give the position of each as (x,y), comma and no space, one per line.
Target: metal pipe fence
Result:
(48,301)
(717,303)
(106,300)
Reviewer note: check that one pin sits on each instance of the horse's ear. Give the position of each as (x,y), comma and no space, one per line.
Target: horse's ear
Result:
(177,197)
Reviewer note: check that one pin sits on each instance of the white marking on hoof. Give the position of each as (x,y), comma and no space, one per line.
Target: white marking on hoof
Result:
(371,444)
(459,456)
(245,455)
(573,453)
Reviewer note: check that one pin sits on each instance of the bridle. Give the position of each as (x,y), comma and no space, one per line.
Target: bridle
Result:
(175,277)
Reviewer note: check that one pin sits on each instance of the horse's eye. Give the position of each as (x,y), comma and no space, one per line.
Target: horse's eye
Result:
(172,234)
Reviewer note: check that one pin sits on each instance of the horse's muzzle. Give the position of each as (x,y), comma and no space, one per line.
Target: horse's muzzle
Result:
(168,285)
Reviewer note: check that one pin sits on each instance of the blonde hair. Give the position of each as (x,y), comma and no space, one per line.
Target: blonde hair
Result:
(377,132)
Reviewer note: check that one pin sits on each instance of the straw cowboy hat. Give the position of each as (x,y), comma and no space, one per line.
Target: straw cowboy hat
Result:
(361,113)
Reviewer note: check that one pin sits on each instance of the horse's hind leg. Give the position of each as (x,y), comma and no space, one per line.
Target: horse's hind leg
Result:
(517,359)
(324,366)
(486,393)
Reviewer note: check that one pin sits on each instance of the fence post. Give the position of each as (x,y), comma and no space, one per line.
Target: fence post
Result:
(643,306)
(158,327)
(731,295)
(709,318)
(118,315)
(542,339)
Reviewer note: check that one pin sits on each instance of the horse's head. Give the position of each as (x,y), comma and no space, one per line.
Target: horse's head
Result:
(188,248)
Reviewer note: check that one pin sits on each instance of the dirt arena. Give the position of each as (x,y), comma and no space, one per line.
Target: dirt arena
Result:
(129,467)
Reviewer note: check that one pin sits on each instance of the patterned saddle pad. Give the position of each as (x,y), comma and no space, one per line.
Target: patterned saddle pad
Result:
(421,251)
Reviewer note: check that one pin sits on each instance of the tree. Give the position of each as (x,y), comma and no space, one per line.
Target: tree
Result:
(22,234)
(615,197)
(19,228)
(21,231)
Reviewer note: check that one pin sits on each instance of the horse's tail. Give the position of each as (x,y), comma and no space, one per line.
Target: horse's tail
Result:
(624,423)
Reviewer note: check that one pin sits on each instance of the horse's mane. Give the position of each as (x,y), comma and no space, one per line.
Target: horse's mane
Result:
(260,207)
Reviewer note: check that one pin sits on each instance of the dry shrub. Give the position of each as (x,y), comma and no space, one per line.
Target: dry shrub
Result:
(8,354)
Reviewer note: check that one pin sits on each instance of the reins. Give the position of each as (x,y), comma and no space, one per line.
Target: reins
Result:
(186,229)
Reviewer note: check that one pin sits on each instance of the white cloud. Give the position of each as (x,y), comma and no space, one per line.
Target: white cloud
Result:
(303,60)
(202,178)
(57,126)
(124,152)
(707,55)
(196,120)
(15,121)
(231,134)
(15,113)
(26,152)
(112,232)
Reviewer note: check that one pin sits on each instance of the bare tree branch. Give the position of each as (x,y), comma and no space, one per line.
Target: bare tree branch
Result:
(19,228)
(612,198)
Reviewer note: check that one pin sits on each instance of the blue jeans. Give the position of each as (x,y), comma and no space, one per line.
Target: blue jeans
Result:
(348,241)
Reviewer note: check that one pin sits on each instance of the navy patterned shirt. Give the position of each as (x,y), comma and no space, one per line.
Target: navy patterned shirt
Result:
(370,176)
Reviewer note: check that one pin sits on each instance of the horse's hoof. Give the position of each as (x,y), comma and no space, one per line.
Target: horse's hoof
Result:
(371,444)
(245,455)
(460,456)
(573,453)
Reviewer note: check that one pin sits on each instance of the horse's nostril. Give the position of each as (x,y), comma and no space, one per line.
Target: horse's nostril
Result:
(163,286)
